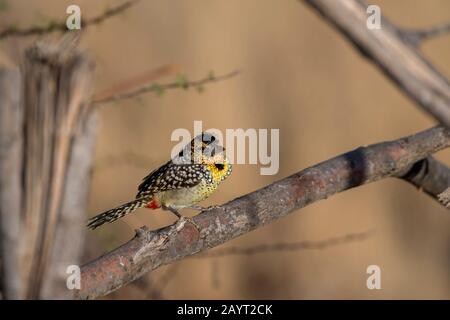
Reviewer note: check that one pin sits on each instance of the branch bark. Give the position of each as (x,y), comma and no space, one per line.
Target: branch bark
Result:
(149,250)
(397,57)
(428,175)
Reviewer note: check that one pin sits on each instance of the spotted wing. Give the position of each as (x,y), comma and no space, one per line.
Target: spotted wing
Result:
(171,176)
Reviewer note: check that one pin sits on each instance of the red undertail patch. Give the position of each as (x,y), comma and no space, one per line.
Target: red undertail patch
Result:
(153,205)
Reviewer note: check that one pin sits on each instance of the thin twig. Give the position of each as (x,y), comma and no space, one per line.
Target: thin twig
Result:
(181,83)
(60,26)
(286,246)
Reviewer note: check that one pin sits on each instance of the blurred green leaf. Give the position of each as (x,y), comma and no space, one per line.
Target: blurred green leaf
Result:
(182,81)
(159,91)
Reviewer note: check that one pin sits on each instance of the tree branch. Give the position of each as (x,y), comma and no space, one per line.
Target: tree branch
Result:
(391,52)
(180,83)
(149,250)
(415,37)
(61,25)
(429,175)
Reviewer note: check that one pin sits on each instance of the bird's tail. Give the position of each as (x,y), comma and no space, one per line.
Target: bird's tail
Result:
(116,213)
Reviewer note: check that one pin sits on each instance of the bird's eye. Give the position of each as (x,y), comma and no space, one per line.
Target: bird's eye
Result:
(219,166)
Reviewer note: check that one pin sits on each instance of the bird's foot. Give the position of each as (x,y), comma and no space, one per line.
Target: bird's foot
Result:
(191,221)
(181,220)
(200,208)
(211,208)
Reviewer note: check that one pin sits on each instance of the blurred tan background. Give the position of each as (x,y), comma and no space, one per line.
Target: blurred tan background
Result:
(298,75)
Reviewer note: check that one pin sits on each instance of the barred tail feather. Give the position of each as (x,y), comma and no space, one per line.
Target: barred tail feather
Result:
(116,213)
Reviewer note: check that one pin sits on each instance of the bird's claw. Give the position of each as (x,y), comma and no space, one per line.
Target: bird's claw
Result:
(199,208)
(191,221)
(211,208)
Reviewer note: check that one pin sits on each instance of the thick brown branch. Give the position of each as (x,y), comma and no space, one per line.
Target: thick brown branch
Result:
(396,57)
(61,25)
(149,250)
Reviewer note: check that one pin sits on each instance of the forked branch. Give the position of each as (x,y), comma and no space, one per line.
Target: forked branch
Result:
(149,250)
(393,53)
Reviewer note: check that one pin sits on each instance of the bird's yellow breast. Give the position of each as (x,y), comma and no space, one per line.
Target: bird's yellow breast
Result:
(219,172)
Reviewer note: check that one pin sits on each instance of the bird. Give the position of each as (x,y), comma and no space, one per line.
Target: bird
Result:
(186,179)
